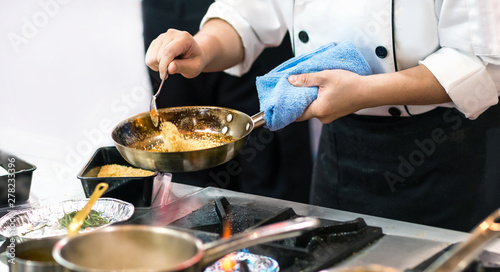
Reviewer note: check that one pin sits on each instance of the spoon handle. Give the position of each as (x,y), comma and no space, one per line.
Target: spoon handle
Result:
(80,216)
(153,109)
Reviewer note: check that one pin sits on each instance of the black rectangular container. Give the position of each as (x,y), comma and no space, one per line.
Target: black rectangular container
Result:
(15,187)
(135,190)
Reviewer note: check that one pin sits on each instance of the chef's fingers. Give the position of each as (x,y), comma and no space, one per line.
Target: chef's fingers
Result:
(306,80)
(315,110)
(188,67)
(173,45)
(151,54)
(167,47)
(306,115)
(338,94)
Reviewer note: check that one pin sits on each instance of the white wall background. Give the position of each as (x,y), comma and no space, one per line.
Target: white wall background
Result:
(69,71)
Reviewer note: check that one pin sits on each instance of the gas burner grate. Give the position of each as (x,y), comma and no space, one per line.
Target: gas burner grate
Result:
(319,249)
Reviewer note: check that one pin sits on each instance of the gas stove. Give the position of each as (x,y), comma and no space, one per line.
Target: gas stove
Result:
(322,248)
(344,239)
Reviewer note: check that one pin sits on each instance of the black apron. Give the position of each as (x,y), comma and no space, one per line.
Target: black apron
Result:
(431,169)
(275,164)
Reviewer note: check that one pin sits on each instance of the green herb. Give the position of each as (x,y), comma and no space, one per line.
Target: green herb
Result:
(24,233)
(94,219)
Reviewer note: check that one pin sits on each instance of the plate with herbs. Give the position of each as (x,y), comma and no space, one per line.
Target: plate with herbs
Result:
(53,220)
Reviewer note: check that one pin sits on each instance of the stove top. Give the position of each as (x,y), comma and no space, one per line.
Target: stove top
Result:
(319,249)
(345,239)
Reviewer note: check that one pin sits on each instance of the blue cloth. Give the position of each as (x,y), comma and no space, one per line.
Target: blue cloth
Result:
(282,102)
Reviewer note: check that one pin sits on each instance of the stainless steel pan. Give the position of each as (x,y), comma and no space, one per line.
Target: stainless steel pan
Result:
(148,248)
(133,134)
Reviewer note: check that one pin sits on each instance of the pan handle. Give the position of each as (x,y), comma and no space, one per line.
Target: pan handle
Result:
(459,257)
(282,230)
(258,120)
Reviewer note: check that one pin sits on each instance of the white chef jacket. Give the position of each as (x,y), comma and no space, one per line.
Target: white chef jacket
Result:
(457,40)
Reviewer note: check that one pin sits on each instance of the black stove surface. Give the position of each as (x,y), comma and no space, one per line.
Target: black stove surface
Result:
(319,249)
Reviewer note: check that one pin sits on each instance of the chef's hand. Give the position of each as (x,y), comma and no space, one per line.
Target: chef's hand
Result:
(176,51)
(337,94)
(217,46)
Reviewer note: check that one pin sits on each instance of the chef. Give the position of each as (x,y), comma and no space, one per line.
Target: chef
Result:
(408,142)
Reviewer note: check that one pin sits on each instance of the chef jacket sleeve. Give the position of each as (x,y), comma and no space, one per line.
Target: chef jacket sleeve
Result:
(468,63)
(260,24)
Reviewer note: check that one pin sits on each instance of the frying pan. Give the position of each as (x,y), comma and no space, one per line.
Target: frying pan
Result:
(148,248)
(132,135)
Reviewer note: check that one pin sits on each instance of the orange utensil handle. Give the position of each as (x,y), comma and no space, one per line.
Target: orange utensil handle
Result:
(80,216)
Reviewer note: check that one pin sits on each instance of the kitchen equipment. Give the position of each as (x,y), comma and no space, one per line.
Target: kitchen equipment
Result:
(142,192)
(344,239)
(15,186)
(136,190)
(136,133)
(367,268)
(459,257)
(153,109)
(204,214)
(148,248)
(34,256)
(244,261)
(43,221)
(80,216)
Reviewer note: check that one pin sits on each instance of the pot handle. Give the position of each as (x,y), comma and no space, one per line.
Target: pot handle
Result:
(286,229)
(258,119)
(460,256)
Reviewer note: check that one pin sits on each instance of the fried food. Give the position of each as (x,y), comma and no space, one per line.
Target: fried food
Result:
(174,141)
(115,170)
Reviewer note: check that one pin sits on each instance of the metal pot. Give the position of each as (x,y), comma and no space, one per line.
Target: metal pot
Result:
(34,256)
(133,134)
(148,248)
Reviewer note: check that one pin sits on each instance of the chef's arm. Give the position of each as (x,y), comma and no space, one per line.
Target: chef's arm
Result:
(222,45)
(472,81)
(215,47)
(467,63)
(413,86)
(342,92)
(470,85)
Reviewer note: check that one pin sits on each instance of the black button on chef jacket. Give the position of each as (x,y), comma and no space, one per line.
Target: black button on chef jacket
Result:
(303,36)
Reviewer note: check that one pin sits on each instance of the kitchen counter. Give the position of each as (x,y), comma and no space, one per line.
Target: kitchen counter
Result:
(403,245)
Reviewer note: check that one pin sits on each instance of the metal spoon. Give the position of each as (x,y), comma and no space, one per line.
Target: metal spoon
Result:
(153,110)
(80,216)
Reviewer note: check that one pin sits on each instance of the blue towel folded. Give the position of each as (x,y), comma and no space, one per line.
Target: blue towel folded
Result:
(282,102)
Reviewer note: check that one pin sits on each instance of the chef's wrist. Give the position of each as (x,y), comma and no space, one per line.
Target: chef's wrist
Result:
(221,45)
(367,93)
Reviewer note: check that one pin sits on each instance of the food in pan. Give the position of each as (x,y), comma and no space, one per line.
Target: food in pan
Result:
(115,170)
(41,222)
(94,219)
(175,141)
(172,139)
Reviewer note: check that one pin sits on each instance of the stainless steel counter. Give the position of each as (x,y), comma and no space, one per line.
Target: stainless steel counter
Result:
(403,246)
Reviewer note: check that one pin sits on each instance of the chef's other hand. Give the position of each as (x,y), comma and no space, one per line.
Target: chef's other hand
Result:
(176,51)
(338,94)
